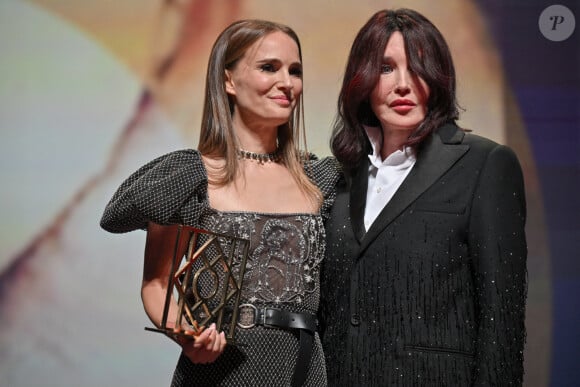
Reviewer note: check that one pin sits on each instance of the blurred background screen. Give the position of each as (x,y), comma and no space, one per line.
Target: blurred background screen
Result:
(90,90)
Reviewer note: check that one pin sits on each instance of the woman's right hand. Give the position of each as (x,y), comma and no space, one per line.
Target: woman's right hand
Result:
(159,250)
(206,347)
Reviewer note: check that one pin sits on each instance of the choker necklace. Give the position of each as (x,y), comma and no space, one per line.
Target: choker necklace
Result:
(262,158)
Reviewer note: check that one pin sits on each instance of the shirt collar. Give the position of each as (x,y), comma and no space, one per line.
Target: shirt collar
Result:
(399,158)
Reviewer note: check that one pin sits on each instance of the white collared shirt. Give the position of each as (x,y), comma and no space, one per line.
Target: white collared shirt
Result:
(385,176)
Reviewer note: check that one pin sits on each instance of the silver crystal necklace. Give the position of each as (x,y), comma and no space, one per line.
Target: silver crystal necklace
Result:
(272,157)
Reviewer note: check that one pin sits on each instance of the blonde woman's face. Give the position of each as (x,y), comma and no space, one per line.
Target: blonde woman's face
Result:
(267,82)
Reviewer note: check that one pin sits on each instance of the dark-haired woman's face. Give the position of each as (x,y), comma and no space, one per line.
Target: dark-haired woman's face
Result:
(399,99)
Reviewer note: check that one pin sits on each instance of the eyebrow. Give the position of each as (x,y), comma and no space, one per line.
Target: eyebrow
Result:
(267,60)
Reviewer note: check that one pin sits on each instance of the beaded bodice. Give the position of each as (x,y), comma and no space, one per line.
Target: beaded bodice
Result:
(284,258)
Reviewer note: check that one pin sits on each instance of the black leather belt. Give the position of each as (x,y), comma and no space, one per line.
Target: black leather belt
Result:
(250,316)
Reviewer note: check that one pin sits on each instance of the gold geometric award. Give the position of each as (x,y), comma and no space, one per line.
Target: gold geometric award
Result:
(205,281)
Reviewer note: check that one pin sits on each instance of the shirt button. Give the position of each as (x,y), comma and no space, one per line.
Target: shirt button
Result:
(355,320)
(379,190)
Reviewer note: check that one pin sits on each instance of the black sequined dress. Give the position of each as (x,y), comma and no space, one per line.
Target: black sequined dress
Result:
(282,270)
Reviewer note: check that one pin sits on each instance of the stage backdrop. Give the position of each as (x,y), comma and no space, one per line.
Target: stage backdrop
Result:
(90,90)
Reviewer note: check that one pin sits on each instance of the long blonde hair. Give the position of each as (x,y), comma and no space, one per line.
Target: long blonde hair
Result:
(217,138)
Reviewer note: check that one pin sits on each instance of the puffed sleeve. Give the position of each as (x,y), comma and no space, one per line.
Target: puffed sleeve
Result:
(325,173)
(170,189)
(498,245)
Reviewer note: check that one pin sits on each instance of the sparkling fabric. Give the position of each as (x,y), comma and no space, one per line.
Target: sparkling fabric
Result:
(284,260)
(434,293)
(282,269)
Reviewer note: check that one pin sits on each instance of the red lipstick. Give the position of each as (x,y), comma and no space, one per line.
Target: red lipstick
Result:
(402,105)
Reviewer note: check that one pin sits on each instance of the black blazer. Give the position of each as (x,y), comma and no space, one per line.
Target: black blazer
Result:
(434,293)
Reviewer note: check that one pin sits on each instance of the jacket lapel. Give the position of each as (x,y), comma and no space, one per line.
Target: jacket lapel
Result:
(358,198)
(438,154)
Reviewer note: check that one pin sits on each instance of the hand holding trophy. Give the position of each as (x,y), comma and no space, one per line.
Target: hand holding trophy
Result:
(205,281)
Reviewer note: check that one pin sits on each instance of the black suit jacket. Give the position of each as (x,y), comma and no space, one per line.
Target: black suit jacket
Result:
(434,293)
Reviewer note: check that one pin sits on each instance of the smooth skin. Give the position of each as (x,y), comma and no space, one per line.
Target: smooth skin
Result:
(399,99)
(266,85)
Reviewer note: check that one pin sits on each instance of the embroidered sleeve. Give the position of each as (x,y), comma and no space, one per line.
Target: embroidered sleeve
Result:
(169,189)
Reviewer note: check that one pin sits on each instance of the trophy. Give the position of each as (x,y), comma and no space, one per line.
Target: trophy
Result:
(205,281)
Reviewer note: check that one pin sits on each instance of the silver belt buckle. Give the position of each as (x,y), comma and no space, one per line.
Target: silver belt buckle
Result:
(247,316)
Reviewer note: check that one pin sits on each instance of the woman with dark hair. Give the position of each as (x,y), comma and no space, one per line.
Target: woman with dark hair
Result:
(247,160)
(424,283)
